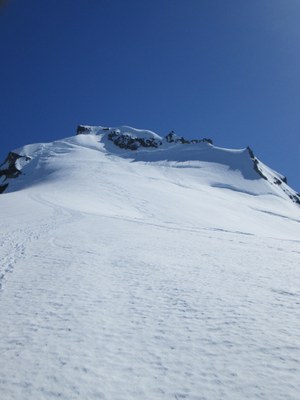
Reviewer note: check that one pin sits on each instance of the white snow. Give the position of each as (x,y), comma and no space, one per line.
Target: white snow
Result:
(157,274)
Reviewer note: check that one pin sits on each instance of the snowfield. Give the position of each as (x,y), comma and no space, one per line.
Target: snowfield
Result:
(166,273)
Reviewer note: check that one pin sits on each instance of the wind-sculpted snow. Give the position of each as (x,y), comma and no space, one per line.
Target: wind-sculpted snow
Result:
(126,274)
(143,146)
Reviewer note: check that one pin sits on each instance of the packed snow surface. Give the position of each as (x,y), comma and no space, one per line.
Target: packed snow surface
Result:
(168,273)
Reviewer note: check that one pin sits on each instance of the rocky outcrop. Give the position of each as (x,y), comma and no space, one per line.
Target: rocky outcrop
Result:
(255,163)
(295,198)
(85,130)
(9,170)
(277,180)
(3,188)
(129,142)
(81,129)
(173,138)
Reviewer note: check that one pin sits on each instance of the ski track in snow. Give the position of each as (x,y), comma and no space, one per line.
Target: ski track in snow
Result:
(124,276)
(14,243)
(107,308)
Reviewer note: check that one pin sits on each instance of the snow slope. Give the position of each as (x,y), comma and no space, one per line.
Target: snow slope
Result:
(166,272)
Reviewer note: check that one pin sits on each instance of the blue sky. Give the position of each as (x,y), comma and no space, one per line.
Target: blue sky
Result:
(229,70)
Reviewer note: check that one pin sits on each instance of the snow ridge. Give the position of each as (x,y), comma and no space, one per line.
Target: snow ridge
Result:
(147,146)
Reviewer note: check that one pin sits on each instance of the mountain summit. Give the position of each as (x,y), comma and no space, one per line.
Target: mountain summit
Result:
(237,170)
(140,267)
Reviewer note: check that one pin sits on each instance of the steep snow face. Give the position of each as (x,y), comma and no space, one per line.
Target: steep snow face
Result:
(138,267)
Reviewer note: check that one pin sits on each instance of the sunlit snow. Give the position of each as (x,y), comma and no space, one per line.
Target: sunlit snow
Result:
(168,273)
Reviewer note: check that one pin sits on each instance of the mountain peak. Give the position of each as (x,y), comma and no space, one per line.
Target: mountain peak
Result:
(131,138)
(232,169)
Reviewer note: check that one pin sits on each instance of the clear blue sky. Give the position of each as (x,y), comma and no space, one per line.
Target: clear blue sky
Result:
(229,70)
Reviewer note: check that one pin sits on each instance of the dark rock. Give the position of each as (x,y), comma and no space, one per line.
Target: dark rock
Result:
(207,140)
(250,151)
(3,188)
(170,137)
(173,138)
(277,181)
(256,163)
(132,143)
(204,140)
(11,171)
(125,141)
(82,129)
(295,198)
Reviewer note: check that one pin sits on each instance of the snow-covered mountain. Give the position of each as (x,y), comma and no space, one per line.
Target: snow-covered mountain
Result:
(140,267)
(148,147)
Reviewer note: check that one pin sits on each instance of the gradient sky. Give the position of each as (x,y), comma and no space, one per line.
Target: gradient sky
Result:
(229,70)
